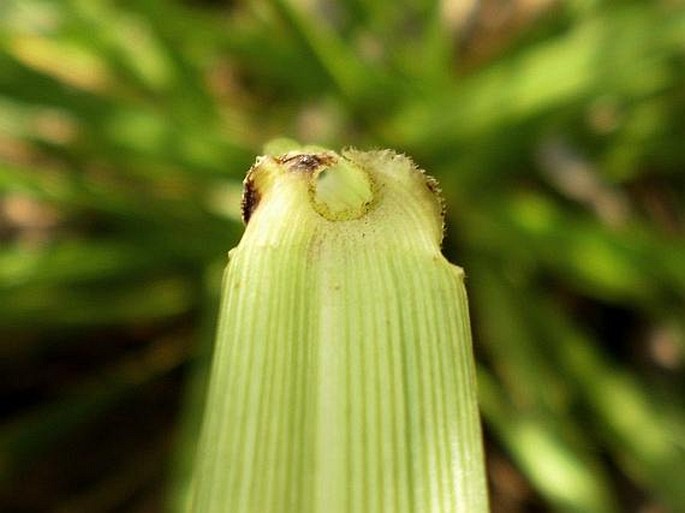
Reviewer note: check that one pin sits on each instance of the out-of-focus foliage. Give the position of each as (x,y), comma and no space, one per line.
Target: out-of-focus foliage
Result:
(557,130)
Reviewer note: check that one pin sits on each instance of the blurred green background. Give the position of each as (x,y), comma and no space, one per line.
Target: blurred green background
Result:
(557,130)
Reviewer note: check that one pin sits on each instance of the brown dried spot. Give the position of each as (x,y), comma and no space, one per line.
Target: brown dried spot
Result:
(250,198)
(432,184)
(434,187)
(306,161)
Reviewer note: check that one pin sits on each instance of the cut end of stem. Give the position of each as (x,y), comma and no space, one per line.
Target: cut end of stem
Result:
(344,187)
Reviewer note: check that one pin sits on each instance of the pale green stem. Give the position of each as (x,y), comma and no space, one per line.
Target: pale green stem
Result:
(343,378)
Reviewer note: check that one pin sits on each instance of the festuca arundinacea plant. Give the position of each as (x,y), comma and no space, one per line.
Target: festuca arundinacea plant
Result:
(343,378)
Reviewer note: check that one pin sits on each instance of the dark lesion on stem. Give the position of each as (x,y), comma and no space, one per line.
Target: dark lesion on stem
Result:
(307,162)
(250,198)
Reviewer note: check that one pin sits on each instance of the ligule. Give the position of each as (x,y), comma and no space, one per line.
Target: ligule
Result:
(343,377)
